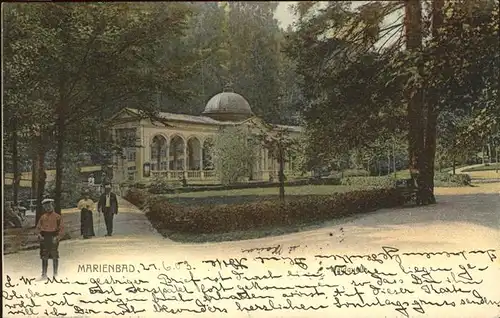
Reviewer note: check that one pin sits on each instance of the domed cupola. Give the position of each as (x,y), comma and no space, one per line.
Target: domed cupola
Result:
(228,106)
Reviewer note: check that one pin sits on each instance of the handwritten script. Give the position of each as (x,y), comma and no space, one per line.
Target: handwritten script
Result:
(270,282)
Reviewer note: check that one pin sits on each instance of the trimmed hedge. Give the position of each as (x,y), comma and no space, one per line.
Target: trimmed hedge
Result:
(451,180)
(440,180)
(236,217)
(378,182)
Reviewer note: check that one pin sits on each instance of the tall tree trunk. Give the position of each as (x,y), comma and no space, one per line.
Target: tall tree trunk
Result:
(414,96)
(482,155)
(15,162)
(431,102)
(496,161)
(394,158)
(489,153)
(454,161)
(388,162)
(40,174)
(34,170)
(429,155)
(281,173)
(59,163)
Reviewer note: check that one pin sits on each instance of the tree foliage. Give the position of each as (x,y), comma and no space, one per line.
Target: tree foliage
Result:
(238,43)
(72,64)
(280,144)
(351,93)
(233,154)
(365,79)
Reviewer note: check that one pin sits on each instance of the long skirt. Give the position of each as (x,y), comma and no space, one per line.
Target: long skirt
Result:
(49,246)
(86,223)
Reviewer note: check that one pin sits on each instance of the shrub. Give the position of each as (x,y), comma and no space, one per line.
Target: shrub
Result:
(234,217)
(137,197)
(233,152)
(160,186)
(377,182)
(451,180)
(72,187)
(440,180)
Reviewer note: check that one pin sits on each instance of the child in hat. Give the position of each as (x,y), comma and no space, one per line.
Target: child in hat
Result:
(50,230)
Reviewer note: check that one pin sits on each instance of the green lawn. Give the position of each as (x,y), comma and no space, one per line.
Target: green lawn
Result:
(255,194)
(405,174)
(402,174)
(493,166)
(450,169)
(290,190)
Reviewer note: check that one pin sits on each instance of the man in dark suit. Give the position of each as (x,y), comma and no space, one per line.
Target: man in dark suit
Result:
(108,206)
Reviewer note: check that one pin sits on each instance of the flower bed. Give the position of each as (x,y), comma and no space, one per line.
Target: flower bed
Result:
(236,217)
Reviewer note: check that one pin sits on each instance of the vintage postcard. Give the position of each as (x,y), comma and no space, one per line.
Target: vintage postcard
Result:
(251,159)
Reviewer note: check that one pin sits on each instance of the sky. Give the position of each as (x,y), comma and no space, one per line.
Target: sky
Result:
(283,14)
(286,18)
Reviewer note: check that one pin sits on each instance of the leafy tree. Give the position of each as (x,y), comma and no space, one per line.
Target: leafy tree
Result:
(339,80)
(84,56)
(453,146)
(72,183)
(238,43)
(233,153)
(357,71)
(280,144)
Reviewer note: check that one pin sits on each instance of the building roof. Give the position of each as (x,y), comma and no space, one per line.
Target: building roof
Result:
(228,106)
(207,120)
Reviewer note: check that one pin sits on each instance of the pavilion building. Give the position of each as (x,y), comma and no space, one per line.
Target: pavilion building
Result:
(178,147)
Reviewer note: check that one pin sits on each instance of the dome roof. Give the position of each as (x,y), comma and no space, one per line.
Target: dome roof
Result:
(228,106)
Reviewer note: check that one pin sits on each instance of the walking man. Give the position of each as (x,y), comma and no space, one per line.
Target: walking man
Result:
(50,230)
(108,206)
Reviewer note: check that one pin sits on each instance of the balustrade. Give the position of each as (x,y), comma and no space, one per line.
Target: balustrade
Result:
(210,174)
(179,174)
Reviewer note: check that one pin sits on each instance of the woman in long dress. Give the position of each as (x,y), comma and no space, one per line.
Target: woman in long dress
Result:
(86,205)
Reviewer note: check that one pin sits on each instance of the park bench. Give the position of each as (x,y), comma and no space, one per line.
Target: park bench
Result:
(407,189)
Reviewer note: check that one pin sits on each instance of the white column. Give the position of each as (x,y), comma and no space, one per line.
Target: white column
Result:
(139,154)
(146,143)
(201,156)
(262,159)
(185,155)
(167,145)
(266,159)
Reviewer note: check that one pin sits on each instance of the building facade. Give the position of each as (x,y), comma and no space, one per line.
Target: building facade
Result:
(177,146)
